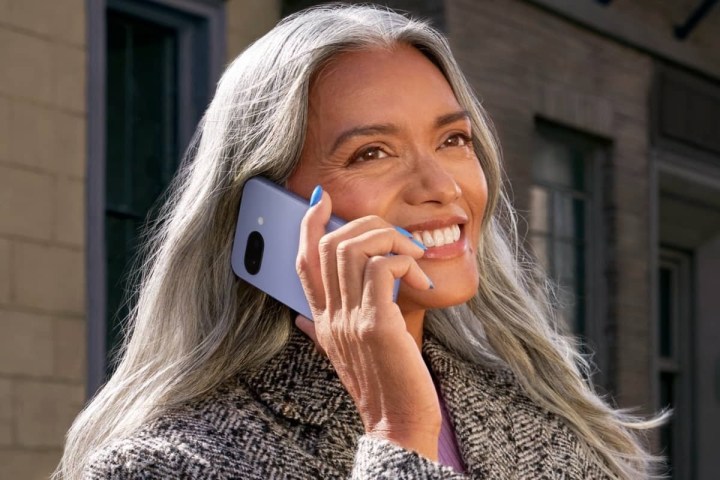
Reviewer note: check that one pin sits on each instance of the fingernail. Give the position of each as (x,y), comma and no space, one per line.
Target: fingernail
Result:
(430,282)
(316,196)
(410,236)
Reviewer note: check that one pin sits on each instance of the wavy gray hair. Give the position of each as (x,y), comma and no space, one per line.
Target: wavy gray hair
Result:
(193,324)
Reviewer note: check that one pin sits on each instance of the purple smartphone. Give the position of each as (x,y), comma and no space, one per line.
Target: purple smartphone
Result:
(267,238)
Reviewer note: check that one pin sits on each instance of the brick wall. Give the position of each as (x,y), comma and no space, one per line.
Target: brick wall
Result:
(523,63)
(42,230)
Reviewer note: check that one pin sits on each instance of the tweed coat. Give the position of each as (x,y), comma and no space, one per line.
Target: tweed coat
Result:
(293,419)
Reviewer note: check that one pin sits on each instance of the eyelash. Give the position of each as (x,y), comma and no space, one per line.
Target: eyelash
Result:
(358,156)
(467,140)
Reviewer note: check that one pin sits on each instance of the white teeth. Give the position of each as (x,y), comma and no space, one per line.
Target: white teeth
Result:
(448,234)
(428,239)
(439,236)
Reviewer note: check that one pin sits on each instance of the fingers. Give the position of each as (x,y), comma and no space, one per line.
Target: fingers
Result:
(379,277)
(312,229)
(332,266)
(353,253)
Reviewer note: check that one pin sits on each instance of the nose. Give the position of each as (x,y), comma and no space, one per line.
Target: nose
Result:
(432,182)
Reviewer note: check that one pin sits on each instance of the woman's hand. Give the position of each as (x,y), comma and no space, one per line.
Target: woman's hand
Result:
(348,278)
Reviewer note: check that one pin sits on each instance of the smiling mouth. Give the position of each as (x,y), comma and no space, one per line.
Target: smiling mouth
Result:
(438,237)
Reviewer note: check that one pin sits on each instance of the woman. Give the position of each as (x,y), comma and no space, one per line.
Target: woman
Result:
(464,376)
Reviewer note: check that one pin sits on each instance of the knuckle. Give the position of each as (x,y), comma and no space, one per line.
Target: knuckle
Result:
(344,248)
(325,243)
(367,331)
(375,264)
(302,264)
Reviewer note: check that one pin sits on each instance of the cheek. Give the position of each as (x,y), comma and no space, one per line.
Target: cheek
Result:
(354,198)
(475,190)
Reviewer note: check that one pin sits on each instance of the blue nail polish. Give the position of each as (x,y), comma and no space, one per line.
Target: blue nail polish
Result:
(430,282)
(403,231)
(419,244)
(412,239)
(316,196)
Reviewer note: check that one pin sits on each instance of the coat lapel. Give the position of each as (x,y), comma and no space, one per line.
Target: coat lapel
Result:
(476,399)
(498,429)
(301,385)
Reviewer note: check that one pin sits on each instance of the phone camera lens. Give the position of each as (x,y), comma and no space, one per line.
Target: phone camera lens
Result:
(254,252)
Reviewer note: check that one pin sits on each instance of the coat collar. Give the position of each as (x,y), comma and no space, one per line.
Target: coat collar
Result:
(500,432)
(480,402)
(299,383)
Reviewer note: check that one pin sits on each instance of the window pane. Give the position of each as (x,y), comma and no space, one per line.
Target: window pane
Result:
(552,164)
(559,164)
(539,211)
(665,299)
(567,307)
(141,149)
(561,208)
(141,100)
(667,393)
(560,159)
(579,216)
(565,259)
(564,220)
(541,249)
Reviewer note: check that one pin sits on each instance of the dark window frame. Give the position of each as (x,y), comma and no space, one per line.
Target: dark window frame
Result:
(596,287)
(212,13)
(678,362)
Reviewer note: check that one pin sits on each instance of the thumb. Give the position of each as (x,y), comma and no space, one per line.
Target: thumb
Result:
(308,328)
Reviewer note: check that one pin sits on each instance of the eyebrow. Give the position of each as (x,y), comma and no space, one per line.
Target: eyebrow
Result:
(382,128)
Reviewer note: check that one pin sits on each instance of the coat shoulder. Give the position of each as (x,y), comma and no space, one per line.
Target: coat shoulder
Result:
(206,438)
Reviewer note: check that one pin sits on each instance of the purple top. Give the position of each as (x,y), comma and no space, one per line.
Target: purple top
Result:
(448,451)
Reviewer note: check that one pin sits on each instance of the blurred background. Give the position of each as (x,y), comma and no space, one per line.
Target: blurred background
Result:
(609,116)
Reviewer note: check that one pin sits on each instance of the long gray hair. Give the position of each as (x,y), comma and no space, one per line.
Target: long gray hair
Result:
(193,324)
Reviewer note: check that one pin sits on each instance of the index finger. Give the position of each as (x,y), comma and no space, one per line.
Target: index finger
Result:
(312,229)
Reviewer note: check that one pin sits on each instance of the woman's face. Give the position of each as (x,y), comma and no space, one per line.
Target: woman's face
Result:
(386,137)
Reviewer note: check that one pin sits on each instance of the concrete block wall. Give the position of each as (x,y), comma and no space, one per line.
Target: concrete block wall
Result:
(42,230)
(526,63)
(43,142)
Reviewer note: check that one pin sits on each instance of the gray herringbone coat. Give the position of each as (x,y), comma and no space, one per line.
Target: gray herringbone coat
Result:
(293,419)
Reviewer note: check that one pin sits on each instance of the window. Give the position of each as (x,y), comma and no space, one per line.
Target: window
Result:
(564,223)
(152,65)
(142,142)
(674,377)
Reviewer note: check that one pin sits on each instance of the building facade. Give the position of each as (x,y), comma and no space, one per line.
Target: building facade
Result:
(608,113)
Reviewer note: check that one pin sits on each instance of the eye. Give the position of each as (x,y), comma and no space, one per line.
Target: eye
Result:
(370,153)
(456,140)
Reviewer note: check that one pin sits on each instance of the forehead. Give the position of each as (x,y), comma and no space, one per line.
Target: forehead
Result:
(378,84)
